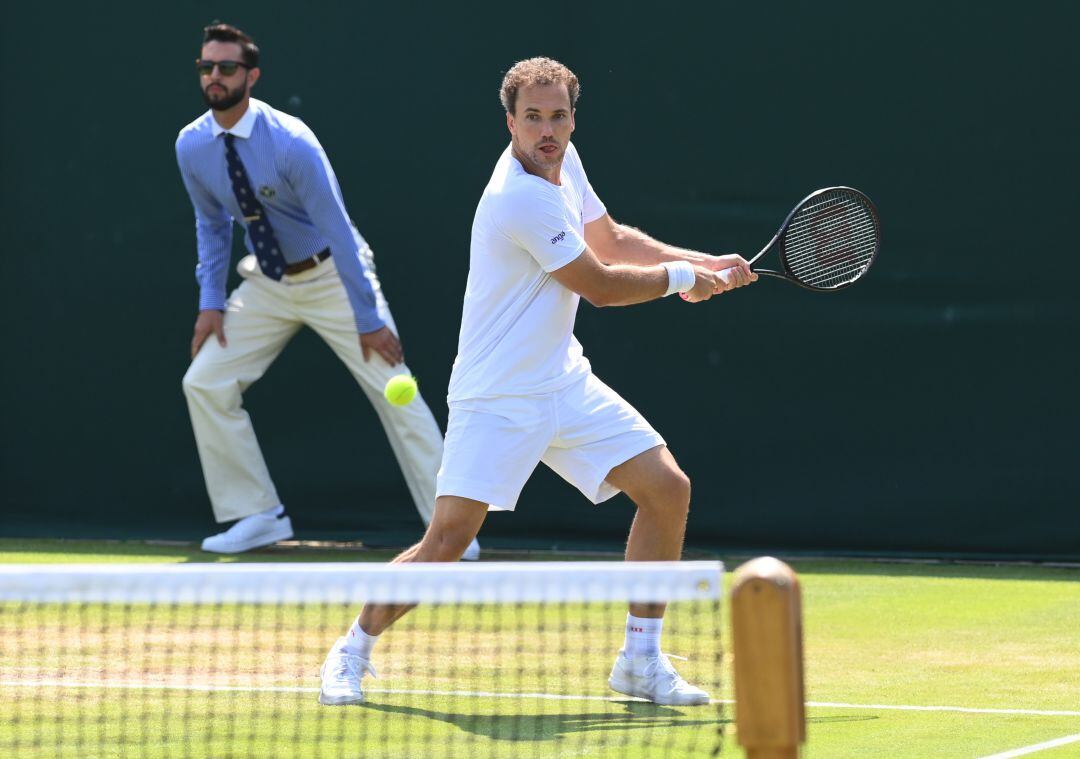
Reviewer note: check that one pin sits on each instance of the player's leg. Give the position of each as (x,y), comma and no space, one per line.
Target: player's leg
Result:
(491,449)
(661,492)
(412,430)
(453,526)
(257,327)
(603,446)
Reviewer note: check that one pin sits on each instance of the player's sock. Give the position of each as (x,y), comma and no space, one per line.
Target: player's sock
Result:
(358,642)
(642,636)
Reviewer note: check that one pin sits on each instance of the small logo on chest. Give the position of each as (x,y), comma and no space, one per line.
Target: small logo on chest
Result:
(558,238)
(267,191)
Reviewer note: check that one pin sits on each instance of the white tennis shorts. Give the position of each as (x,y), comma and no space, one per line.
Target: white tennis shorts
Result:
(581,432)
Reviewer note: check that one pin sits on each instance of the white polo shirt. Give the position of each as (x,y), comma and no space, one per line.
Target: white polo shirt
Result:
(517,323)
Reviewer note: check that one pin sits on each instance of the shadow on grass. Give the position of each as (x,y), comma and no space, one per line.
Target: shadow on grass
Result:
(638,715)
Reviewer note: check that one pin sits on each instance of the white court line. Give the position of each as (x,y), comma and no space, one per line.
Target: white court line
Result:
(491,694)
(1037,747)
(962,709)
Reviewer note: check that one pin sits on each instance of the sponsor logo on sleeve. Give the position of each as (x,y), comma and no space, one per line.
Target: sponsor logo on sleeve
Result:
(558,238)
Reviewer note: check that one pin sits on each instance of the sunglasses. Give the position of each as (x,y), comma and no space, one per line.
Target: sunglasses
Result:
(227,68)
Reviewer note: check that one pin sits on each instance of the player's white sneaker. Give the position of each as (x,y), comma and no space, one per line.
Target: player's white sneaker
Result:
(341,674)
(253,531)
(472,553)
(654,679)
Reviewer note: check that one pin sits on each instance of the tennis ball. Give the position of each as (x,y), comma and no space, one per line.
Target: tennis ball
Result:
(400,390)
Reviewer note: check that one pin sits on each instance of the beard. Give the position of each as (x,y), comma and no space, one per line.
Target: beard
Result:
(538,160)
(223,102)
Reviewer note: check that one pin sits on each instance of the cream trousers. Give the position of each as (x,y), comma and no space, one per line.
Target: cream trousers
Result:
(261,317)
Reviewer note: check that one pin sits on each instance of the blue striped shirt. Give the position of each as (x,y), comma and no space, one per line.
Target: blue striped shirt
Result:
(290,172)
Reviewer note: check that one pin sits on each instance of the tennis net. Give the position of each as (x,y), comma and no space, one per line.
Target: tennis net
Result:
(222,660)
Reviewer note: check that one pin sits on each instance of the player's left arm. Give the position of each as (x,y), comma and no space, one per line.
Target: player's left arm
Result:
(616,243)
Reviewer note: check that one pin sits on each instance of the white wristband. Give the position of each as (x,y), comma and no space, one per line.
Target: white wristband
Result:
(680,276)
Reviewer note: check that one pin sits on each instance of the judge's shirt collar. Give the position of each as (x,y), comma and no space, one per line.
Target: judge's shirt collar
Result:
(241,128)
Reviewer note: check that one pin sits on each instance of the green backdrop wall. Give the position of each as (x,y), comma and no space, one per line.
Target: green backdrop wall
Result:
(931,409)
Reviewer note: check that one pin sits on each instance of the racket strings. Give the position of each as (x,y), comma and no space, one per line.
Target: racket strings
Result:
(831,253)
(834,265)
(831,241)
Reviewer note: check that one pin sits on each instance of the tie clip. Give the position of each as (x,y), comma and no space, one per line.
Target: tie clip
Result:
(256,217)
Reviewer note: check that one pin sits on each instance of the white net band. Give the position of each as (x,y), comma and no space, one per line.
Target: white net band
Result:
(523,582)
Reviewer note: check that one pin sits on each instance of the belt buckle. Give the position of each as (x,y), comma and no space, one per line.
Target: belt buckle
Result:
(308,263)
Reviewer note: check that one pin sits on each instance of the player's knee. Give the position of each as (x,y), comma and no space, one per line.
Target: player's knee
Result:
(668,494)
(446,542)
(680,489)
(673,491)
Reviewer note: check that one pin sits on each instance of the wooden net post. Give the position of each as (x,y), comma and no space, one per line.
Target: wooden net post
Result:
(766,621)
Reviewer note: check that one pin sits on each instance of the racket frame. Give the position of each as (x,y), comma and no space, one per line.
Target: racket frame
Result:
(786,273)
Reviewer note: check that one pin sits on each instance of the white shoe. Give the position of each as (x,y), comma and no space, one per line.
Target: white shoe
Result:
(472,553)
(654,679)
(341,674)
(250,532)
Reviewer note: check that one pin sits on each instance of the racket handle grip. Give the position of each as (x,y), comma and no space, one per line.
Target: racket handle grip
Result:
(725,275)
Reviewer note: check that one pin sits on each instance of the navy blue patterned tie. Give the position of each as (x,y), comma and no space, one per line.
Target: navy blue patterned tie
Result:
(262,235)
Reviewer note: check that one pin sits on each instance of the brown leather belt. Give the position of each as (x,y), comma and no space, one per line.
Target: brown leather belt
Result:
(308,263)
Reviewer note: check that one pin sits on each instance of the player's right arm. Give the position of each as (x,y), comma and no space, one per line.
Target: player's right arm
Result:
(534,216)
(625,285)
(213,235)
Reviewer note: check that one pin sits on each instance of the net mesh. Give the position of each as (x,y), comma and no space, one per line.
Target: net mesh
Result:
(222,660)
(831,240)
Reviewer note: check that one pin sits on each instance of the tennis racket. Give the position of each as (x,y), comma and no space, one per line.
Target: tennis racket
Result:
(827,242)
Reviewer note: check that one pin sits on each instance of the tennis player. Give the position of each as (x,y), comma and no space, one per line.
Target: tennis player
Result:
(522,392)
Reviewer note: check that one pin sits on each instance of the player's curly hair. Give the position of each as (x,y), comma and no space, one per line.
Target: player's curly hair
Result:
(229,33)
(533,71)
